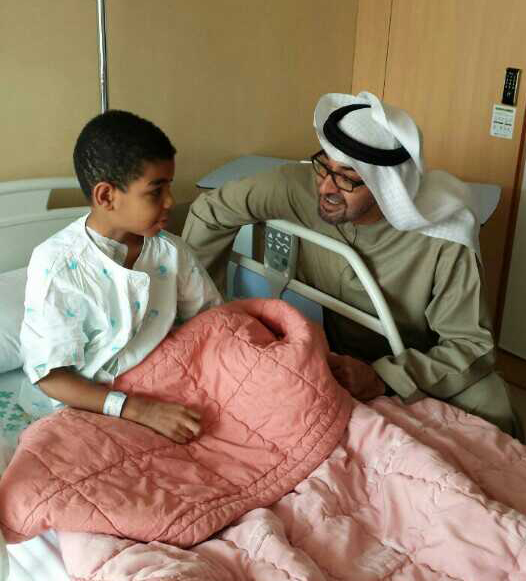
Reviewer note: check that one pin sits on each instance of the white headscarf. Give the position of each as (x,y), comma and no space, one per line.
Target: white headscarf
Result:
(434,203)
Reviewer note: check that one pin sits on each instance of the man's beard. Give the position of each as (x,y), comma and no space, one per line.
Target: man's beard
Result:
(345,214)
(332,218)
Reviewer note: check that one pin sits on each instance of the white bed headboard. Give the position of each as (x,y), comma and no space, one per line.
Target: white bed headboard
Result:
(25,221)
(18,236)
(30,196)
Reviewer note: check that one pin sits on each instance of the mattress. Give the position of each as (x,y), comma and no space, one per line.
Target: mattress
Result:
(38,559)
(12,418)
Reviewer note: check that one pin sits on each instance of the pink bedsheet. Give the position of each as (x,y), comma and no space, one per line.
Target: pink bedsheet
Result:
(416,493)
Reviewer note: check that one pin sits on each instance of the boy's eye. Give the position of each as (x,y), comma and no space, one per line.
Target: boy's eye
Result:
(156,193)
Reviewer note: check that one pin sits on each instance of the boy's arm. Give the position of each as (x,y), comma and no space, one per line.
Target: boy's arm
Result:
(169,419)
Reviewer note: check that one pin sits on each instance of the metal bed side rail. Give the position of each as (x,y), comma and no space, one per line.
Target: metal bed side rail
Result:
(383,324)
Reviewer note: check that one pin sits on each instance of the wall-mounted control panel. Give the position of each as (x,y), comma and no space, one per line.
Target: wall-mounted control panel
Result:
(511,86)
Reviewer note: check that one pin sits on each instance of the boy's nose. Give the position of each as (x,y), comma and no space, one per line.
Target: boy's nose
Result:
(168,199)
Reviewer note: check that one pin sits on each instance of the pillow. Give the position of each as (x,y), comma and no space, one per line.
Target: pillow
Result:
(12,290)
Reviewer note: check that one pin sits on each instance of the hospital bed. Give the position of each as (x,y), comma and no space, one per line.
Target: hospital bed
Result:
(39,559)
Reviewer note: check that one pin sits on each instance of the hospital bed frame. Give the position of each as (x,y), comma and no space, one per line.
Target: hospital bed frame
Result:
(21,230)
(383,324)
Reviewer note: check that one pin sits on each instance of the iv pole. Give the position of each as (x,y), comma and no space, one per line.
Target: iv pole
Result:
(103,70)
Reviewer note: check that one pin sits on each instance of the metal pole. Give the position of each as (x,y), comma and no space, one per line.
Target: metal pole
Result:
(103,70)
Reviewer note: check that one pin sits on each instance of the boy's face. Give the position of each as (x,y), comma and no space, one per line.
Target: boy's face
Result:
(143,209)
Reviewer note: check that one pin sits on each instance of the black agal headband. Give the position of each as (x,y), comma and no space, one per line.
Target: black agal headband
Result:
(355,149)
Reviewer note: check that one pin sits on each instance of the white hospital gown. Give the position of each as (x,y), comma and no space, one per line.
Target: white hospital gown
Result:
(84,310)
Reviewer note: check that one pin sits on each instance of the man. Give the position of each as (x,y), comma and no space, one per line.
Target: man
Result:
(417,232)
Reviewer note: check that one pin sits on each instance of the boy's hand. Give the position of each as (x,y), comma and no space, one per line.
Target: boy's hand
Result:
(172,420)
(358,378)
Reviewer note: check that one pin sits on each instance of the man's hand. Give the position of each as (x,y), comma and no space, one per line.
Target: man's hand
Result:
(358,377)
(172,420)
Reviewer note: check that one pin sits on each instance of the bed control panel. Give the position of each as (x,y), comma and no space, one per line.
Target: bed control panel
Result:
(281,252)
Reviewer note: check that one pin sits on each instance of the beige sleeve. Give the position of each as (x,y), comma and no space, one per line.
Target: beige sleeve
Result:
(458,314)
(215,217)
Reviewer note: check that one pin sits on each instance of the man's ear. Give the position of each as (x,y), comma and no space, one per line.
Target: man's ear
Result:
(103,195)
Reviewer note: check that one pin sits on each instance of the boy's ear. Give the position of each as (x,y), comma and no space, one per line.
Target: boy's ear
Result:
(103,195)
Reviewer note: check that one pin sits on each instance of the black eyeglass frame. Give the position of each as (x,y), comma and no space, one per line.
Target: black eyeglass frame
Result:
(314,160)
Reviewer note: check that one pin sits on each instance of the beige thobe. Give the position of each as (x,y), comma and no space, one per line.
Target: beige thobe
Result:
(434,288)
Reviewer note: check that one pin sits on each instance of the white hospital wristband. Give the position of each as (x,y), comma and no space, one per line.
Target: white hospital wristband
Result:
(114,403)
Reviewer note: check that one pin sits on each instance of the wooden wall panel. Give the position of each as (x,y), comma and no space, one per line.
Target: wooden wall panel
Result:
(444,62)
(372,39)
(446,65)
(223,79)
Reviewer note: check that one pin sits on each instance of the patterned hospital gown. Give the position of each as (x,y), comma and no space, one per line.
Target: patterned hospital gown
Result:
(84,310)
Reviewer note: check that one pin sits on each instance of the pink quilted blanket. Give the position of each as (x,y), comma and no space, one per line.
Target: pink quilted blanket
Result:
(271,413)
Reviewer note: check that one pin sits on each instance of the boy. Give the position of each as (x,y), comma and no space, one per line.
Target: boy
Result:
(102,293)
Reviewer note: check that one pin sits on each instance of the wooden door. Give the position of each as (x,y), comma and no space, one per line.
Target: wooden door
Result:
(444,62)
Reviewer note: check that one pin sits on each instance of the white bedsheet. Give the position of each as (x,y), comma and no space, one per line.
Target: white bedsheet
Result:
(37,560)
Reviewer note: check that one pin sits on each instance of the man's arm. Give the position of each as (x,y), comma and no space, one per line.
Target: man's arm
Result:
(459,316)
(169,419)
(215,217)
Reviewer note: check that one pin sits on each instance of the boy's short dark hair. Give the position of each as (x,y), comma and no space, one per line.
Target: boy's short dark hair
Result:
(113,148)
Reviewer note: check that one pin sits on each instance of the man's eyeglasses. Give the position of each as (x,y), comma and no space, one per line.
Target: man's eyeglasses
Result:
(341,181)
